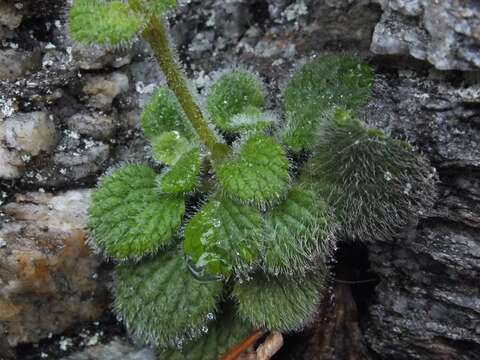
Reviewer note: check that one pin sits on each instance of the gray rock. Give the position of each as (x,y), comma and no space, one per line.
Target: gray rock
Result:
(30,133)
(341,23)
(445,33)
(407,7)
(48,275)
(267,48)
(427,304)
(84,162)
(91,57)
(276,9)
(97,125)
(231,18)
(17,63)
(102,89)
(116,349)
(9,15)
(431,114)
(420,313)
(11,164)
(201,43)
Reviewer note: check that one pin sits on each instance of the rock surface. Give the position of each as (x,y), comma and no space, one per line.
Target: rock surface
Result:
(426,303)
(48,275)
(30,133)
(102,89)
(116,349)
(96,57)
(9,15)
(445,33)
(428,300)
(16,63)
(11,164)
(97,126)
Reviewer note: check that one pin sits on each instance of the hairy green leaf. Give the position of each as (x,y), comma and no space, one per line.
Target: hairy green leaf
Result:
(235,93)
(169,147)
(160,6)
(128,219)
(258,173)
(104,23)
(374,183)
(226,332)
(160,302)
(183,176)
(320,85)
(245,123)
(163,113)
(297,231)
(280,303)
(224,236)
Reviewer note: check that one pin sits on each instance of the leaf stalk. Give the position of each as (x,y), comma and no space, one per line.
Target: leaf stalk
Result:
(156,34)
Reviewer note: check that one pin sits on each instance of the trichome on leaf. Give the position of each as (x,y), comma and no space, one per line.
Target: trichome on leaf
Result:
(254,253)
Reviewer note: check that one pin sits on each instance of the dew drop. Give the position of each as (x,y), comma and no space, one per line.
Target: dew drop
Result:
(200,273)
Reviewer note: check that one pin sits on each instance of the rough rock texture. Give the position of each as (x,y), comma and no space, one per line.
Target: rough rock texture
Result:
(102,90)
(114,350)
(23,136)
(48,276)
(97,57)
(446,33)
(12,164)
(428,303)
(15,64)
(85,102)
(30,133)
(9,15)
(95,125)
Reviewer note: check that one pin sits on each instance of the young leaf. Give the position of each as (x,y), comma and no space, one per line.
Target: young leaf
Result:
(244,123)
(374,183)
(160,302)
(163,113)
(128,219)
(183,176)
(169,147)
(280,303)
(322,84)
(235,93)
(104,23)
(258,173)
(226,332)
(224,236)
(297,231)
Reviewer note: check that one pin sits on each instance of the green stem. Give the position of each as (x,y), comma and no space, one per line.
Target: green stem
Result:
(157,36)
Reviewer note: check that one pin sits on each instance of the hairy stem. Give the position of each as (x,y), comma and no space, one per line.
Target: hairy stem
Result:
(156,34)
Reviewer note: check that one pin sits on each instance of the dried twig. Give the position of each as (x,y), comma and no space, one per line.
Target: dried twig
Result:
(241,348)
(270,346)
